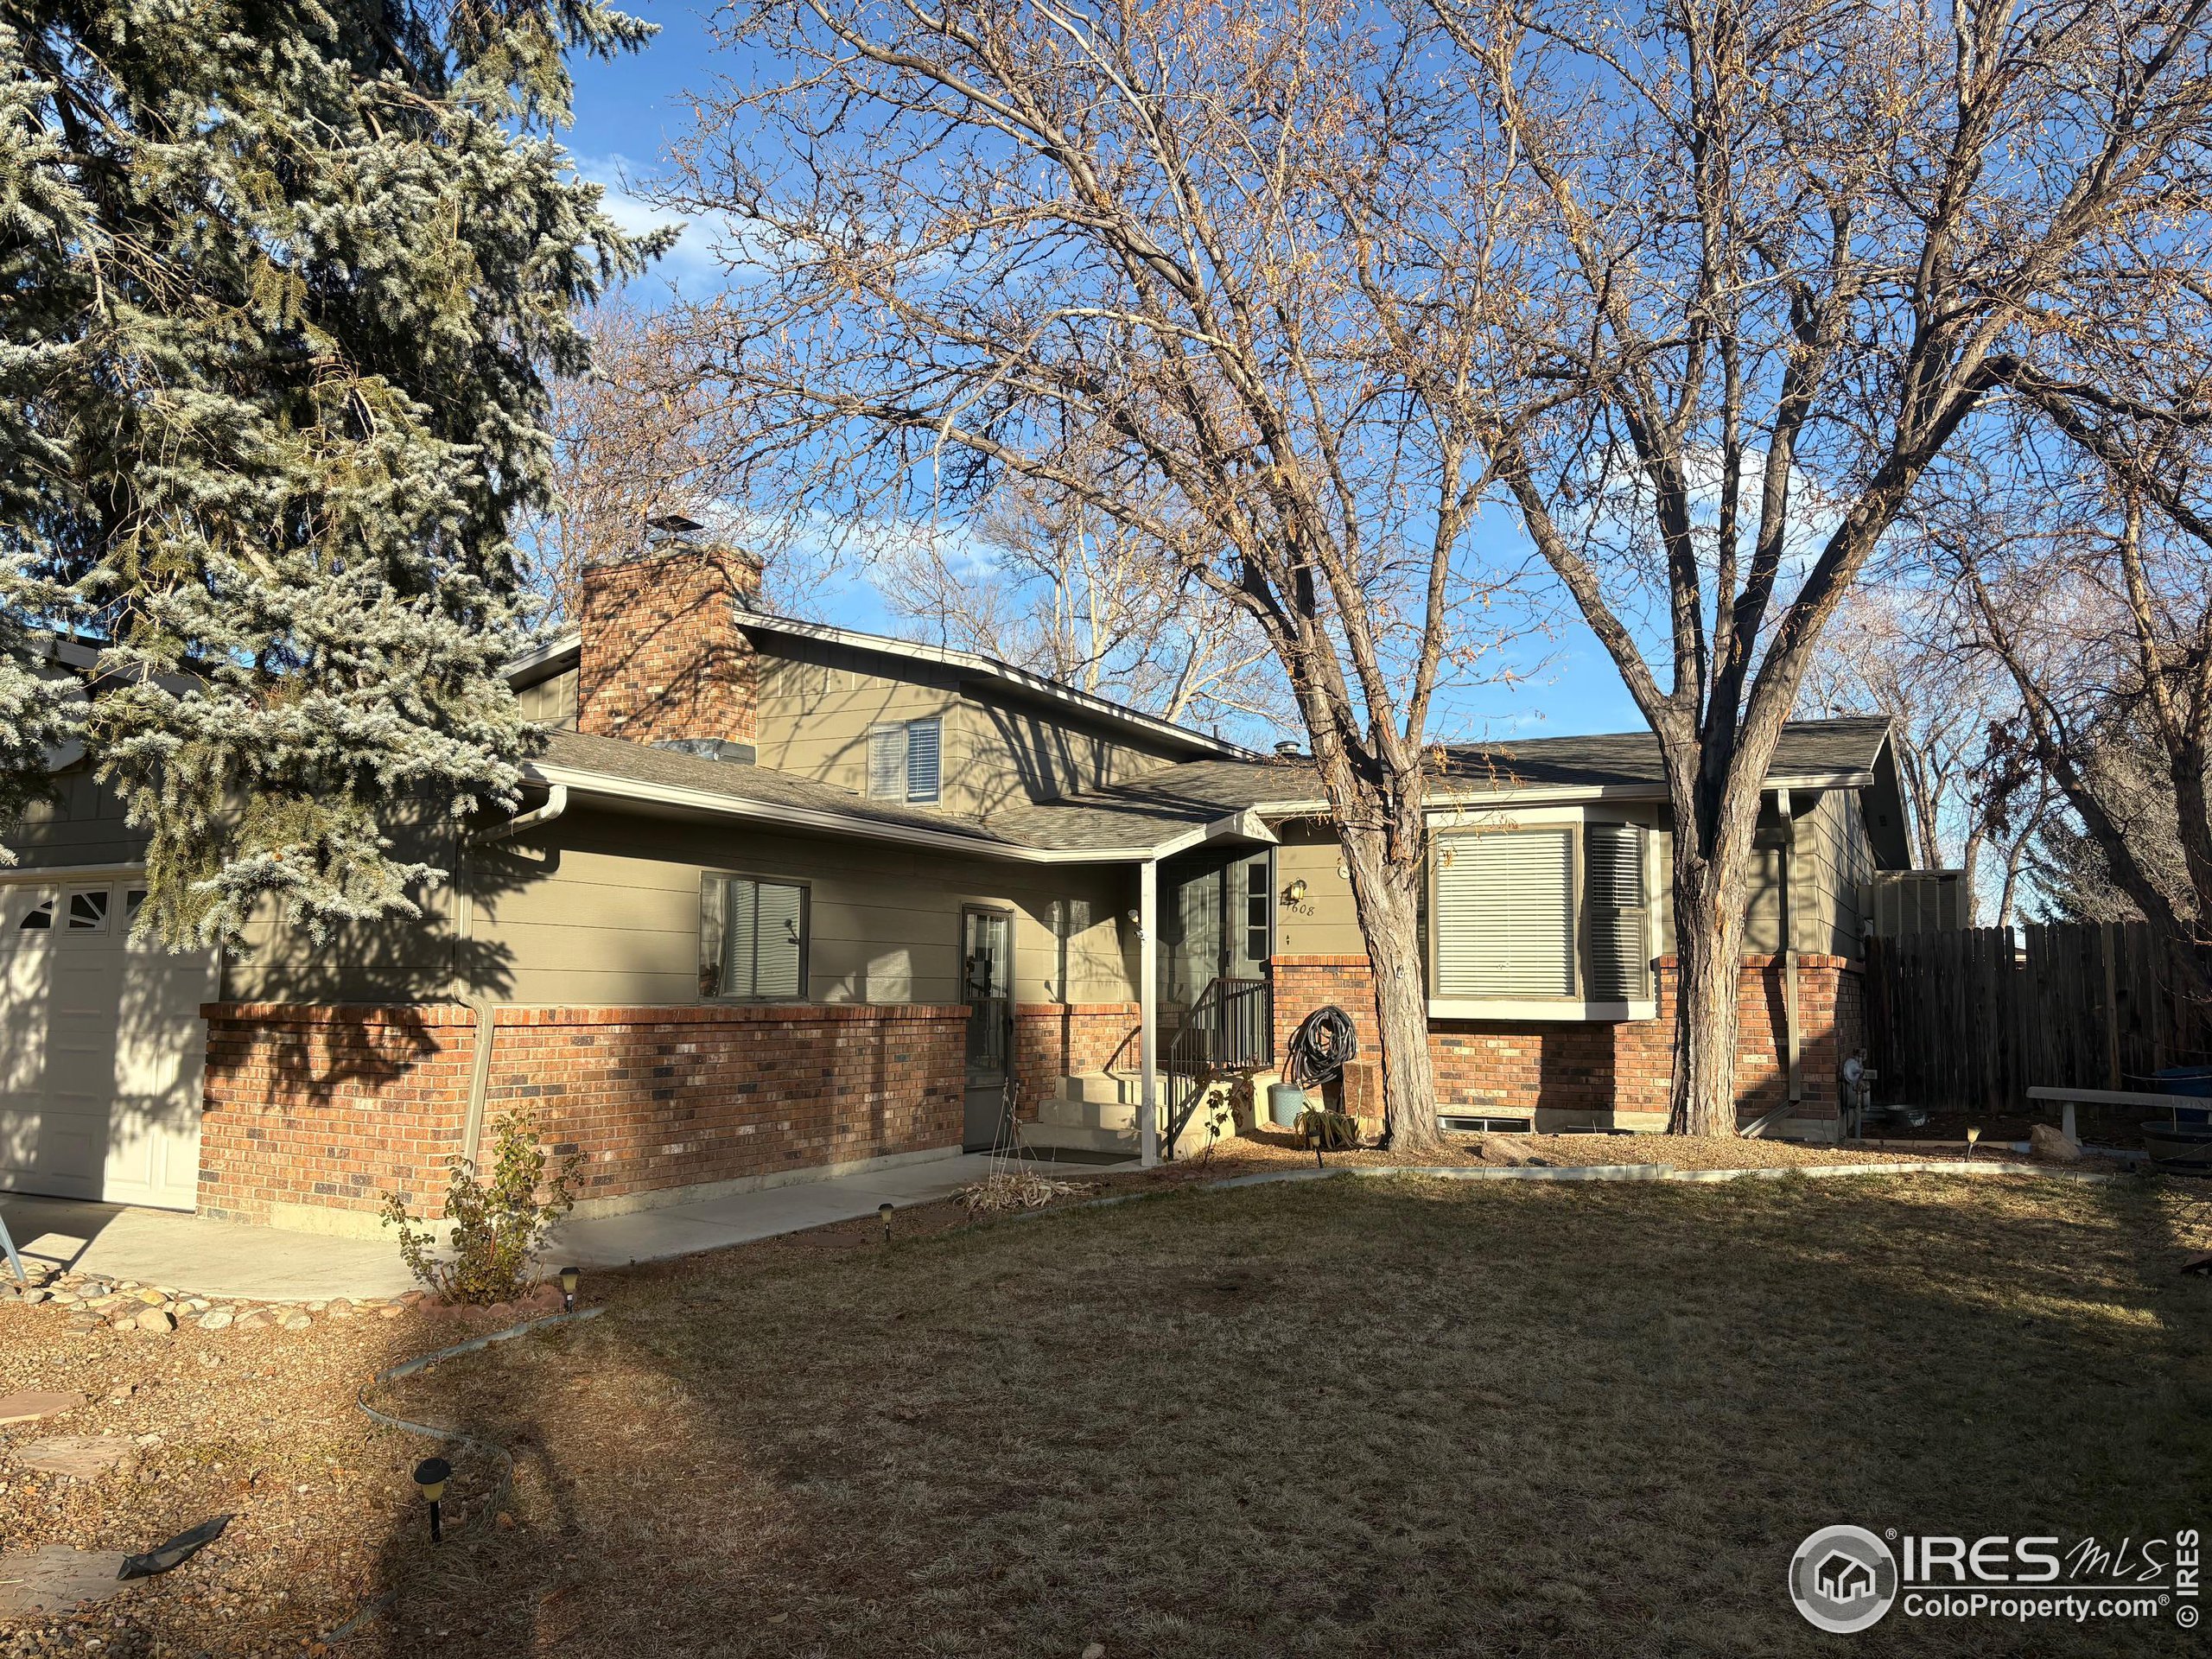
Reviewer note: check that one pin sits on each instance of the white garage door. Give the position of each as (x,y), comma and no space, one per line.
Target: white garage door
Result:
(101,1045)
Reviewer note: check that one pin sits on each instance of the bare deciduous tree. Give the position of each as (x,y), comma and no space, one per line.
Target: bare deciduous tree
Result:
(1053,586)
(1779,257)
(1896,650)
(630,439)
(1202,274)
(2090,584)
(1295,290)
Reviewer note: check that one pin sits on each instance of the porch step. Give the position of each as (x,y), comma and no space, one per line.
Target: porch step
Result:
(1075,1137)
(1101,1087)
(1062,1112)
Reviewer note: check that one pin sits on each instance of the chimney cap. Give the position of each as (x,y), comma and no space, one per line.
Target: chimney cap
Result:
(675,524)
(1288,749)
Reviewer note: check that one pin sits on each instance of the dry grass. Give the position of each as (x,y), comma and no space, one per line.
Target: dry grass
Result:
(1345,1418)
(1377,1417)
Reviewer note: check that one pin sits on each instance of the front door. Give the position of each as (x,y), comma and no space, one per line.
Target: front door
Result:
(987,987)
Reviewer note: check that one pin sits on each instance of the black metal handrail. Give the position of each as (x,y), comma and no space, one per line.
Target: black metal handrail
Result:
(1228,1028)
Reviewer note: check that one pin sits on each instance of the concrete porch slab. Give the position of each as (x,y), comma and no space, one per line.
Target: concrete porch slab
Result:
(221,1259)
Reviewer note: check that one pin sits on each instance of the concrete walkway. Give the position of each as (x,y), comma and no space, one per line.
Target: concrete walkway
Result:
(226,1260)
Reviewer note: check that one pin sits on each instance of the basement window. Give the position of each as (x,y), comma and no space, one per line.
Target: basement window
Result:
(752,938)
(903,761)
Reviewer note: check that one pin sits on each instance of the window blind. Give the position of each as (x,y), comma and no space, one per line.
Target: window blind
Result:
(886,763)
(751,937)
(1620,952)
(922,759)
(1505,914)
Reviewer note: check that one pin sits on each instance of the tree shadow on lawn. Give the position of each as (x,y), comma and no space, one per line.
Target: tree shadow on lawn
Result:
(1353,1417)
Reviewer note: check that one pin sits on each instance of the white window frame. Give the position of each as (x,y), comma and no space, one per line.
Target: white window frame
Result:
(905,766)
(1565,1009)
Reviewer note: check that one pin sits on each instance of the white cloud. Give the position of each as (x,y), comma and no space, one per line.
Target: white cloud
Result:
(693,267)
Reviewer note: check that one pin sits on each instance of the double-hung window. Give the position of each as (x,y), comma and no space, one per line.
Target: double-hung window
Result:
(903,761)
(1540,912)
(752,938)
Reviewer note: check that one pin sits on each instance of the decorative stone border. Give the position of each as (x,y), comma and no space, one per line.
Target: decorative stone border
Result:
(93,1301)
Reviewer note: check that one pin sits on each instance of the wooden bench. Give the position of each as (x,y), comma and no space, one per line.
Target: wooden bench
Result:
(2068,1098)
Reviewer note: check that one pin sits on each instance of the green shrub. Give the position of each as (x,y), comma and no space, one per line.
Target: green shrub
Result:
(498,1224)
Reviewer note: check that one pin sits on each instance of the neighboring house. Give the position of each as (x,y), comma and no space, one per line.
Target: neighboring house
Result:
(787,899)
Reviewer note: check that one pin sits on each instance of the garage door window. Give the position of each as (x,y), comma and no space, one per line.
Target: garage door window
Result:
(39,918)
(88,910)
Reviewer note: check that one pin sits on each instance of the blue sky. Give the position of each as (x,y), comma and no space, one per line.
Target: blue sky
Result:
(629,111)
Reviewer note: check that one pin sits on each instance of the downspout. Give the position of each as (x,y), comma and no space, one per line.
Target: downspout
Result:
(487,1008)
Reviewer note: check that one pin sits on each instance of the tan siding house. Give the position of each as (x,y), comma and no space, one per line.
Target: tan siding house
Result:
(784,899)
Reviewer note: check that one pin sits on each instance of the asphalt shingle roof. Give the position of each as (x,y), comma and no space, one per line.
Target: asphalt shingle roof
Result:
(1146,811)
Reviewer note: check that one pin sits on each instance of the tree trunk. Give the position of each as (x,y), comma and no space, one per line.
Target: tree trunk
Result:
(1386,894)
(1711,894)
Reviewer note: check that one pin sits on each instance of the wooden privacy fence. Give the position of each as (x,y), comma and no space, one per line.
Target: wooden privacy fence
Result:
(1973,1019)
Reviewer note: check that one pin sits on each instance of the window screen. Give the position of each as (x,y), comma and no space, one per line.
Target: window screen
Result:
(751,937)
(1505,914)
(1620,952)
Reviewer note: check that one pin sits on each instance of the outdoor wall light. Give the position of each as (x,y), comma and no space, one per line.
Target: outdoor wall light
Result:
(569,1277)
(430,1476)
(1295,893)
(883,1211)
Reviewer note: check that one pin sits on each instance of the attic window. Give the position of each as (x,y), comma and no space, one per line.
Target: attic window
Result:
(903,761)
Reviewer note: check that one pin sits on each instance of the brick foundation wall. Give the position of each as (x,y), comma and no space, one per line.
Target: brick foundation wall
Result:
(1052,1040)
(663,656)
(1519,1067)
(334,1106)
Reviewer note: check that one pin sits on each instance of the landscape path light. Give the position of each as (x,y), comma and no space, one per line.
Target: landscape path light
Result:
(568,1278)
(430,1477)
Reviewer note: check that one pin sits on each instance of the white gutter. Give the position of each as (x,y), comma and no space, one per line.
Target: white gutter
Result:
(556,803)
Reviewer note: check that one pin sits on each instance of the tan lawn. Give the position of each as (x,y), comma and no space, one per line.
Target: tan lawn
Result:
(1385,1417)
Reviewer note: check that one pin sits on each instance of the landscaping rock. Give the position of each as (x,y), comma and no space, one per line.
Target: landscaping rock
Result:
(158,1319)
(29,1407)
(341,1309)
(75,1457)
(151,1297)
(216,1318)
(56,1579)
(297,1322)
(2053,1146)
(1513,1154)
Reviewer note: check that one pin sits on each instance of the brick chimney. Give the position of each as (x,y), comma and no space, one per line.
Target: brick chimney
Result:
(663,659)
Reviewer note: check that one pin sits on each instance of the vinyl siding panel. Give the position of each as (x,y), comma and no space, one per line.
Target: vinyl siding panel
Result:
(602,907)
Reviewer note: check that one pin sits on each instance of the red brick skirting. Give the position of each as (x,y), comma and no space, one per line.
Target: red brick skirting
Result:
(1056,1039)
(1518,1066)
(333,1106)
